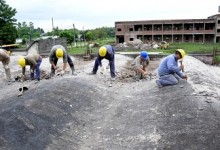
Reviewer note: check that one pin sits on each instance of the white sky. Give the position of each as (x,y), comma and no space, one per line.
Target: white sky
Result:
(90,14)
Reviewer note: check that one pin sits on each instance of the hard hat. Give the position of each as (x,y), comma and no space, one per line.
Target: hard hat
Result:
(144,54)
(102,51)
(182,52)
(21,61)
(59,53)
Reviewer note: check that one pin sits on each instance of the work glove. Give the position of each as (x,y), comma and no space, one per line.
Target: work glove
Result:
(102,70)
(56,67)
(31,71)
(62,72)
(107,67)
(6,67)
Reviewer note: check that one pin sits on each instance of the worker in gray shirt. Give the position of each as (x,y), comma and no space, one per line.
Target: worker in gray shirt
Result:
(58,51)
(140,64)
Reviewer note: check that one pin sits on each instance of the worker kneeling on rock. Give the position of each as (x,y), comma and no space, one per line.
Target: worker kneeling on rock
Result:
(34,61)
(107,52)
(140,64)
(5,58)
(169,72)
(58,51)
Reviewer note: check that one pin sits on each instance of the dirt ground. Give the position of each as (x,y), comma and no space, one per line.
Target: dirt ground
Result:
(83,113)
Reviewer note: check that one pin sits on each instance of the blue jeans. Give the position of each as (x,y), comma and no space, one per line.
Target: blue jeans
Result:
(37,70)
(171,79)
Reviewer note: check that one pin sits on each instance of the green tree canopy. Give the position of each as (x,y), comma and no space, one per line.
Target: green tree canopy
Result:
(8,32)
(27,31)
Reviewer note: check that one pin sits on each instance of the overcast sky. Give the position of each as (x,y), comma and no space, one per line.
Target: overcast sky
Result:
(90,14)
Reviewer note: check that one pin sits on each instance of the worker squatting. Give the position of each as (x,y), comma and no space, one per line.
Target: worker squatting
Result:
(169,72)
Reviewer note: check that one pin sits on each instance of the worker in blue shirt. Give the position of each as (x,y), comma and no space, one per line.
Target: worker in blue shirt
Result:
(107,52)
(169,72)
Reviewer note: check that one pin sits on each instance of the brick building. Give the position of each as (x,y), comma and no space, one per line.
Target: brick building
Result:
(185,30)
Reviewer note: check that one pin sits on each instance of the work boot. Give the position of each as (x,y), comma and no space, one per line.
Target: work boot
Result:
(159,84)
(92,73)
(73,71)
(37,81)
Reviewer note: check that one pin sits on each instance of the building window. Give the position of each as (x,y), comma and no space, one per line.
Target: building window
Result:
(130,29)
(218,30)
(218,21)
(119,29)
(131,39)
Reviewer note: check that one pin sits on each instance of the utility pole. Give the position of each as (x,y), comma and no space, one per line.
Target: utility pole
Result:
(84,36)
(74,37)
(53,32)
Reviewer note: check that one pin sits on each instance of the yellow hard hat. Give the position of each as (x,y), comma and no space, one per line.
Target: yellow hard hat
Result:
(59,53)
(21,61)
(182,52)
(102,51)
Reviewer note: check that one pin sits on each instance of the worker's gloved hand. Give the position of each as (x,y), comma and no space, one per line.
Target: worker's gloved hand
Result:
(107,67)
(56,67)
(62,72)
(6,67)
(102,70)
(31,71)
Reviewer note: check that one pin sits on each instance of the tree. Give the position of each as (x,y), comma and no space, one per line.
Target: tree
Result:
(68,35)
(26,31)
(89,36)
(8,32)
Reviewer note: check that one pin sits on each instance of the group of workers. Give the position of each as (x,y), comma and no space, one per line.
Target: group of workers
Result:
(169,72)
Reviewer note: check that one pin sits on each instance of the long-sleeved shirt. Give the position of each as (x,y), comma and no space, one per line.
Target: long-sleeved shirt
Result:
(138,62)
(31,60)
(169,65)
(53,53)
(110,55)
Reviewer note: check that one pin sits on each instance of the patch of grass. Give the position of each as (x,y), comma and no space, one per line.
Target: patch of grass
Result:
(188,47)
(194,47)
(216,60)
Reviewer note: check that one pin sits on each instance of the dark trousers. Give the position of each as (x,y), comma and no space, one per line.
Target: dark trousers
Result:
(111,64)
(55,60)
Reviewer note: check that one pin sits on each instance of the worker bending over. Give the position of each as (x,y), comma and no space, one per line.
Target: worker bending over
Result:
(107,52)
(169,72)
(58,51)
(34,61)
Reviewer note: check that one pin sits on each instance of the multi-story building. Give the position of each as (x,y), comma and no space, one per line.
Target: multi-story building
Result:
(172,31)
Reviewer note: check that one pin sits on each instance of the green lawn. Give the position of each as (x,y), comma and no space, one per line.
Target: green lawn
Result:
(188,47)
